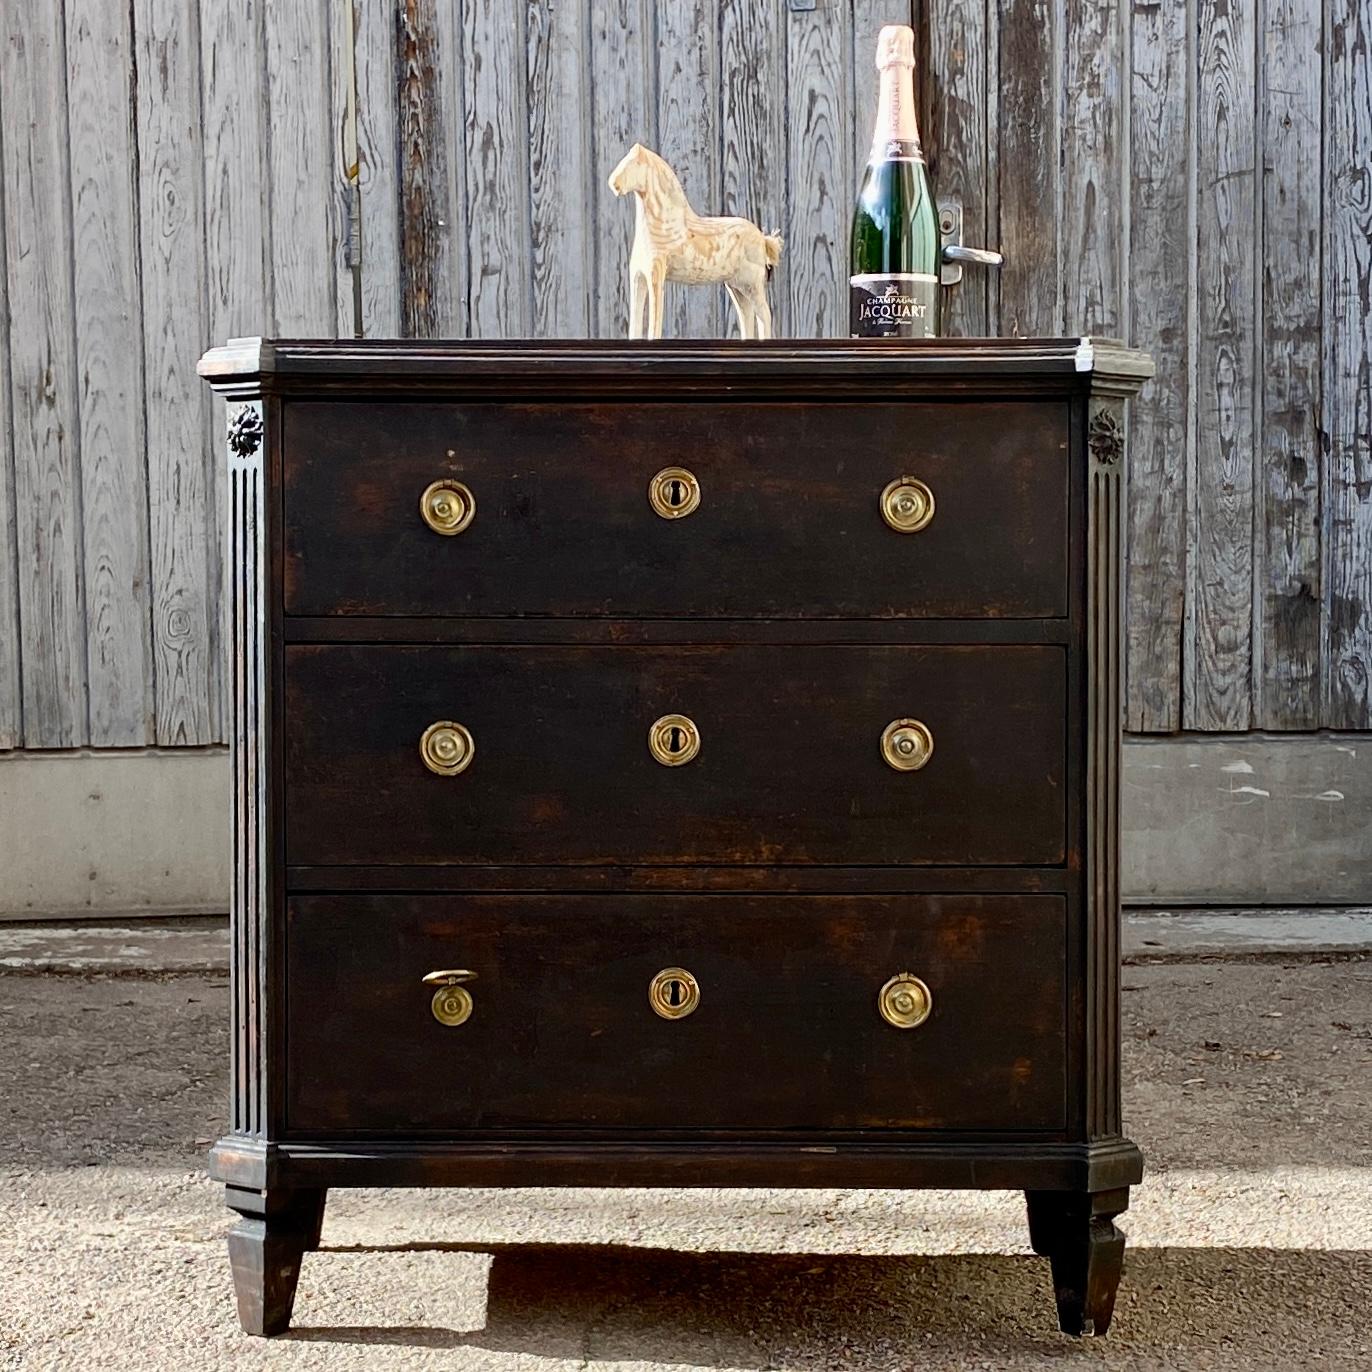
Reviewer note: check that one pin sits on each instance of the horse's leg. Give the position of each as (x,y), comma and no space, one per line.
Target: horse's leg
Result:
(742,309)
(659,275)
(638,302)
(762,311)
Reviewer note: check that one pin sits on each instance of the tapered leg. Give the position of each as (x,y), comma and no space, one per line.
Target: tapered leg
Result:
(274,1231)
(1075,1231)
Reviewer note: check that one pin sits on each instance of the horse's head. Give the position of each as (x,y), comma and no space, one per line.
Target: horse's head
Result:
(641,169)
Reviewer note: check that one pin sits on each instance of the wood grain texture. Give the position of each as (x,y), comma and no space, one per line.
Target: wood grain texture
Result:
(819,207)
(561,252)
(752,56)
(11,695)
(688,81)
(1160,251)
(301,167)
(344,202)
(1347,351)
(1287,628)
(497,167)
(624,112)
(432,212)
(1218,691)
(114,496)
(378,133)
(43,378)
(181,482)
(1093,181)
(1027,290)
(957,144)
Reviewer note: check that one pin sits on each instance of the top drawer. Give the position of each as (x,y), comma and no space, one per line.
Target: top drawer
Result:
(789,523)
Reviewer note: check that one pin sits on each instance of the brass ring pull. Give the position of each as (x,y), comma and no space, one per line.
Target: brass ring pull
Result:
(674,493)
(447,748)
(907,505)
(451,1004)
(674,993)
(905,1001)
(447,506)
(907,744)
(674,740)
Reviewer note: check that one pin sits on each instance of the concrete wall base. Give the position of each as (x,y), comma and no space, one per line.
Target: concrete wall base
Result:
(1208,820)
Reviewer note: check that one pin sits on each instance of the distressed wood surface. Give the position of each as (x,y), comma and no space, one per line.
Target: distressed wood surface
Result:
(301,168)
(43,378)
(819,209)
(378,165)
(1286,666)
(1218,692)
(1347,349)
(11,709)
(1160,253)
(688,139)
(957,143)
(752,57)
(623,112)
(1027,290)
(497,170)
(183,528)
(561,253)
(114,496)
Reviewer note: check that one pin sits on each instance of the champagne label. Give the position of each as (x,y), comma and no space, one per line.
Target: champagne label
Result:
(898,305)
(897,150)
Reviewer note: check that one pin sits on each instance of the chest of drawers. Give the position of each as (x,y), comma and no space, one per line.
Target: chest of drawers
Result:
(675,765)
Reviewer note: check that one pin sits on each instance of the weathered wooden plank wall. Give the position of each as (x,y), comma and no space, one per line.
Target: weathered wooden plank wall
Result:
(172,172)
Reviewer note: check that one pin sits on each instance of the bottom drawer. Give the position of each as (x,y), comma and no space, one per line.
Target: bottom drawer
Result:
(787,1031)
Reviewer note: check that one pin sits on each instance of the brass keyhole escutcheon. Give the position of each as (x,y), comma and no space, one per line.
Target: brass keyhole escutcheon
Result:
(447,507)
(674,492)
(674,740)
(452,1002)
(447,748)
(907,744)
(905,1001)
(907,505)
(674,993)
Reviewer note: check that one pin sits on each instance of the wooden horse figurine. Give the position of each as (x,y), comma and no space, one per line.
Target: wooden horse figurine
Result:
(673,243)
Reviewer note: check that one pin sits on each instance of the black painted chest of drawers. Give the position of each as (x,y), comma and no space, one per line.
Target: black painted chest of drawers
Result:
(683,765)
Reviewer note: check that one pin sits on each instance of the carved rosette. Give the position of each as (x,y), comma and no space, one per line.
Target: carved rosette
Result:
(245,431)
(1105,433)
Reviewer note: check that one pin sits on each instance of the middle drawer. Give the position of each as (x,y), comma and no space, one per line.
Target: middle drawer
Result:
(738,754)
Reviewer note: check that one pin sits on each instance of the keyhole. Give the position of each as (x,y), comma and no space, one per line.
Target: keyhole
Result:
(676,740)
(676,993)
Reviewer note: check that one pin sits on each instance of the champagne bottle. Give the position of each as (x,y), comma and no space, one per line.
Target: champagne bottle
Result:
(893,289)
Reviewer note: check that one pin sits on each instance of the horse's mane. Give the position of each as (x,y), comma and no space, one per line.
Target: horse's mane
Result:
(663,172)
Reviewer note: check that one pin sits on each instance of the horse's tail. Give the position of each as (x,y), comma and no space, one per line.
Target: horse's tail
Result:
(771,249)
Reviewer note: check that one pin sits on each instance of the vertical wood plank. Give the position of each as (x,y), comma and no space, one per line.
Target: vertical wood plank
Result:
(1160,249)
(1092,168)
(753,125)
(43,377)
(1027,291)
(623,108)
(1220,583)
(114,496)
(182,524)
(378,172)
(11,708)
(688,137)
(819,170)
(562,237)
(432,219)
(1347,404)
(957,144)
(500,301)
(345,198)
(1287,550)
(301,168)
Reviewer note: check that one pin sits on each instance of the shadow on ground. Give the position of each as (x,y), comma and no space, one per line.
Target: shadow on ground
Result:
(614,1304)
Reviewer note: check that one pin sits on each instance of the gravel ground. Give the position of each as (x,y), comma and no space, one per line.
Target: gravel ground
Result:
(1249,1086)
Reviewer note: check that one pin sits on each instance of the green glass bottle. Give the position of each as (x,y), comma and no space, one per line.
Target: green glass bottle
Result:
(894,285)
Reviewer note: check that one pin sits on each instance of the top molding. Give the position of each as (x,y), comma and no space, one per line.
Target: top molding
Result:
(247,367)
